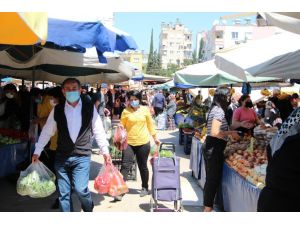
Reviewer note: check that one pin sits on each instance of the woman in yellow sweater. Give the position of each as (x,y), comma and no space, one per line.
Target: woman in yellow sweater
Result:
(137,121)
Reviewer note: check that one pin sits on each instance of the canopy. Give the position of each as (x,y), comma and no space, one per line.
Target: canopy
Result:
(206,74)
(81,35)
(23,28)
(289,21)
(165,86)
(55,65)
(265,57)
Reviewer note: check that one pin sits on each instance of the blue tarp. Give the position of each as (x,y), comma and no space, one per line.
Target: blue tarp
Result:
(81,35)
(11,156)
(138,78)
(184,86)
(239,195)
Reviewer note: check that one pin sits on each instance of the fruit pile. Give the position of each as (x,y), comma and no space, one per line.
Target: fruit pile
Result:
(5,140)
(250,164)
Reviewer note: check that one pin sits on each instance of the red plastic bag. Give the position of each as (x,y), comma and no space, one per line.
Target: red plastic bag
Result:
(117,184)
(120,138)
(110,181)
(154,153)
(102,181)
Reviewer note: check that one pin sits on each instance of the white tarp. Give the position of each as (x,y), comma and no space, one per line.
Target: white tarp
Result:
(289,21)
(65,58)
(273,57)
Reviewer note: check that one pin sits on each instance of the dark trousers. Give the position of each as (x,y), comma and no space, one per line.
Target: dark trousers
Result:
(141,152)
(158,110)
(213,153)
(276,201)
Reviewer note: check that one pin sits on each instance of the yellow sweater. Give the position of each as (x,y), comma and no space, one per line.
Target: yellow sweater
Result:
(138,124)
(43,111)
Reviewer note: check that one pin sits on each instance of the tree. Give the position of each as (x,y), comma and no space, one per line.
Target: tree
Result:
(195,60)
(187,62)
(200,53)
(151,54)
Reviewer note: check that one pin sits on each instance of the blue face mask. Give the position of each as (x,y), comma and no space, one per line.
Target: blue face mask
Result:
(135,103)
(72,96)
(38,100)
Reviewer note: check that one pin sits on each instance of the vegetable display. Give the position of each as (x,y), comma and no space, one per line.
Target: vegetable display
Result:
(37,181)
(5,140)
(248,157)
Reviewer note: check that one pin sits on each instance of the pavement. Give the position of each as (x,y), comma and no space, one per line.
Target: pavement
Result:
(192,194)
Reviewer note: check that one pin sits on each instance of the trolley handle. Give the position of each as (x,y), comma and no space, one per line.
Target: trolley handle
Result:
(167,144)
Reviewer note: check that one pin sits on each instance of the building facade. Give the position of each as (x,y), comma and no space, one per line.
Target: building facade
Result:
(223,36)
(175,44)
(136,59)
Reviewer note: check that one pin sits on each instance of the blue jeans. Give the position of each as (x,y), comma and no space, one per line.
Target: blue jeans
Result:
(73,171)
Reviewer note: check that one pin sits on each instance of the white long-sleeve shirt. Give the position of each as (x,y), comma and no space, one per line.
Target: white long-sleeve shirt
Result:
(74,120)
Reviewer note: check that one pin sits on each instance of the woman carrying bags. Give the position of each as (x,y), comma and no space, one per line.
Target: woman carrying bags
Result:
(138,123)
(215,143)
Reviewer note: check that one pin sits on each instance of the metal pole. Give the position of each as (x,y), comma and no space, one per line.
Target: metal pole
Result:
(23,83)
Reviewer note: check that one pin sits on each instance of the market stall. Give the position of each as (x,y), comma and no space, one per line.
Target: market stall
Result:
(243,172)
(13,150)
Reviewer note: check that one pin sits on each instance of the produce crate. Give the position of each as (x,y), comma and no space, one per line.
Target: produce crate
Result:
(181,136)
(188,142)
(116,156)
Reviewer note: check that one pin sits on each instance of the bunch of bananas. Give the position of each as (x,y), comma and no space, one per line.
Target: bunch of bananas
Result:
(265,92)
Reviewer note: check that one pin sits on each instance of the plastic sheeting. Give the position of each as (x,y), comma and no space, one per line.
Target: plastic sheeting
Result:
(11,156)
(239,195)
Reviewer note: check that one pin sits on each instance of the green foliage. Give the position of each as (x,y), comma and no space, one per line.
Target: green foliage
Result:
(200,53)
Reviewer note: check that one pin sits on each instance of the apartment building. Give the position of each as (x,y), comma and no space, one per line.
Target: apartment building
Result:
(175,44)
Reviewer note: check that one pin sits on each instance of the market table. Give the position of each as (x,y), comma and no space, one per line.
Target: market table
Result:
(238,194)
(10,156)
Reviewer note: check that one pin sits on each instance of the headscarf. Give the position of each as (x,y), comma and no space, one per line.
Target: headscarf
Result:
(290,127)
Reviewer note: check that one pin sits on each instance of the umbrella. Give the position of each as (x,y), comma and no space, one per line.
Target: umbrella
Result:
(289,21)
(23,28)
(256,57)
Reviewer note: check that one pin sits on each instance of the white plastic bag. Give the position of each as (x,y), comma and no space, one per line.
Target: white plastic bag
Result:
(37,181)
(107,127)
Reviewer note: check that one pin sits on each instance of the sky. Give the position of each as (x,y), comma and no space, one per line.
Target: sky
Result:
(139,25)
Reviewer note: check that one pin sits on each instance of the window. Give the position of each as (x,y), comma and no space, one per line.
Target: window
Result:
(248,35)
(171,52)
(171,43)
(178,52)
(136,60)
(165,52)
(234,35)
(219,34)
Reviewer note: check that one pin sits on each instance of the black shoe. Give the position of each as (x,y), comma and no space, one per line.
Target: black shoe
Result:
(55,205)
(144,192)
(118,198)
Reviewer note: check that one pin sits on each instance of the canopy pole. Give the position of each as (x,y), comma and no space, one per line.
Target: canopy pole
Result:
(23,83)
(43,85)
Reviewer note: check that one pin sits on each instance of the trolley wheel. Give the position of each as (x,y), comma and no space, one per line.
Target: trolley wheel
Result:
(151,205)
(180,207)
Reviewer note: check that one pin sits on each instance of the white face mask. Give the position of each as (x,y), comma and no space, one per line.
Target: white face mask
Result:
(52,102)
(9,95)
